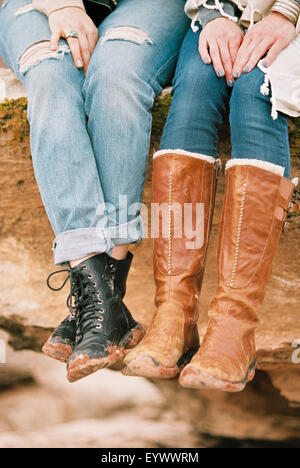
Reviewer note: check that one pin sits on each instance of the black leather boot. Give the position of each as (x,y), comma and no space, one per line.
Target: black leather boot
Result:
(61,342)
(102,326)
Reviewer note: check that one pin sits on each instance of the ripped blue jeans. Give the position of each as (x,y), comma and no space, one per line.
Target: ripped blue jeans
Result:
(90,135)
(200,101)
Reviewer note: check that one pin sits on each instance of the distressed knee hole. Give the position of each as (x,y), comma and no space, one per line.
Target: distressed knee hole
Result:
(127,33)
(24,9)
(39,52)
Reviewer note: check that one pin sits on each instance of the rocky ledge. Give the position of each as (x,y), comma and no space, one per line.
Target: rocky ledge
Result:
(268,409)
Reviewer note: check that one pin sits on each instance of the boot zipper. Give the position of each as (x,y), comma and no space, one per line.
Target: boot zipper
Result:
(217,166)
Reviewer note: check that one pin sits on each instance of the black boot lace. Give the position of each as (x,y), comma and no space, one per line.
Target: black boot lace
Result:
(74,290)
(88,300)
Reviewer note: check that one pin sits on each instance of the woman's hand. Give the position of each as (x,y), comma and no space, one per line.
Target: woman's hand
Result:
(219,43)
(74,19)
(270,35)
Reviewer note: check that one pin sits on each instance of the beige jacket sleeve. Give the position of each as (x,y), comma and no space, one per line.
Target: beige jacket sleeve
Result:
(48,6)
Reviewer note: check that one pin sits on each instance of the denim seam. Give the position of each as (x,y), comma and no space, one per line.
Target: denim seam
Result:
(105,231)
(130,239)
(282,146)
(162,68)
(93,228)
(88,245)
(5,46)
(76,230)
(63,257)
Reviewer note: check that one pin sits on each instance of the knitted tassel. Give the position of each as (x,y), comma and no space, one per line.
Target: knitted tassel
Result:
(266,88)
(219,6)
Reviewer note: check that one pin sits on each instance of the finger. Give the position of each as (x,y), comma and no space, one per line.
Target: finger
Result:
(92,38)
(256,55)
(243,56)
(226,61)
(247,45)
(75,51)
(233,50)
(273,53)
(216,59)
(85,51)
(203,49)
(54,41)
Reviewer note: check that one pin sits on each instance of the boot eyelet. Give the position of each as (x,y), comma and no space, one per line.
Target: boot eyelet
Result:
(99,326)
(84,267)
(90,276)
(100,319)
(101,311)
(94,284)
(100,302)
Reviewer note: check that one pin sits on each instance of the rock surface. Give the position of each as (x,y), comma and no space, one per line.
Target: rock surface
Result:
(267,409)
(118,432)
(10,86)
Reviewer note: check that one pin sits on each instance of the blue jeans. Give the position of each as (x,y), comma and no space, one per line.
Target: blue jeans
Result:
(200,100)
(90,135)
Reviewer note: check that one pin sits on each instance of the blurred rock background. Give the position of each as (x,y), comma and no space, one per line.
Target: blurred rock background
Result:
(38,408)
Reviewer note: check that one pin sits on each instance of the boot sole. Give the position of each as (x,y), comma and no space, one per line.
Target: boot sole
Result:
(83,365)
(147,366)
(133,337)
(192,377)
(60,352)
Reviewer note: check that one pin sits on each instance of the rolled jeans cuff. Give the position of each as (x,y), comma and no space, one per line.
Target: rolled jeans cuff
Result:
(79,243)
(127,233)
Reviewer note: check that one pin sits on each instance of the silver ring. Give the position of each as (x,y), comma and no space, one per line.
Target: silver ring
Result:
(73,34)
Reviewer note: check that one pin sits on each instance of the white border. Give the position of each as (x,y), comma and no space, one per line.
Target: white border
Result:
(209,159)
(256,163)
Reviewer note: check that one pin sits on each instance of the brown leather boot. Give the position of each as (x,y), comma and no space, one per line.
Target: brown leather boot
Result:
(254,213)
(179,178)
